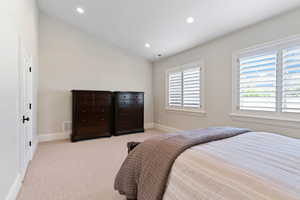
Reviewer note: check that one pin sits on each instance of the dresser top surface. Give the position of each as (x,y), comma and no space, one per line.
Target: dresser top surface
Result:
(90,91)
(105,91)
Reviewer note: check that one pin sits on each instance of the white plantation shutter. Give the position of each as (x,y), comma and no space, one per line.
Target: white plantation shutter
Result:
(184,87)
(175,89)
(191,88)
(257,82)
(291,80)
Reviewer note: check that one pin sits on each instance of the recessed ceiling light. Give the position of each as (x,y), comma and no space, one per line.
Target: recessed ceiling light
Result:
(80,10)
(147,45)
(190,20)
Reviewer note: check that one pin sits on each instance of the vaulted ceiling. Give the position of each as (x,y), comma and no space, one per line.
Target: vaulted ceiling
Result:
(130,24)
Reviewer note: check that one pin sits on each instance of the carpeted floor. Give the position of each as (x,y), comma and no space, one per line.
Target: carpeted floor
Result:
(77,171)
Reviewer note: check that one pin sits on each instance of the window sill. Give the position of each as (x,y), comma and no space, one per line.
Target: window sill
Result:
(195,112)
(268,120)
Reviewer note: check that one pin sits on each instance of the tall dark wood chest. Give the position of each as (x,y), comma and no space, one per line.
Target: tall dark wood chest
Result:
(92,114)
(128,112)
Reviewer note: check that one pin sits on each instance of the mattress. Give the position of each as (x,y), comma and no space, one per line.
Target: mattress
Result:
(255,165)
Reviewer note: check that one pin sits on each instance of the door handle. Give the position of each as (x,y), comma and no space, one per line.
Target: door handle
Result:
(25,119)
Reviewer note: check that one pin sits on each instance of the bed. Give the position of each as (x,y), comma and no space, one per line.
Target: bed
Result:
(243,166)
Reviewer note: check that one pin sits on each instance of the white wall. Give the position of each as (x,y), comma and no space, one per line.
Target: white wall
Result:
(15,16)
(72,59)
(9,95)
(217,56)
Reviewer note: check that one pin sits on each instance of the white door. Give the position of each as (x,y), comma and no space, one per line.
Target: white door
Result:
(25,66)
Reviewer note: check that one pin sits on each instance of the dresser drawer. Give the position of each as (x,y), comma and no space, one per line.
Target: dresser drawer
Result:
(102,109)
(123,96)
(84,109)
(84,99)
(92,120)
(133,96)
(86,132)
(95,127)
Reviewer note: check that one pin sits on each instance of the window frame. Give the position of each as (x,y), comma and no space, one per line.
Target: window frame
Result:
(181,68)
(273,46)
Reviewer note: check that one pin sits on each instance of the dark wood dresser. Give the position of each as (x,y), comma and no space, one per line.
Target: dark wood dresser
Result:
(92,114)
(128,112)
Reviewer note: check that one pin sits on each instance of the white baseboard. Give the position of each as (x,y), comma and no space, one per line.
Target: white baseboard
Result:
(34,147)
(166,128)
(53,136)
(149,125)
(64,135)
(15,188)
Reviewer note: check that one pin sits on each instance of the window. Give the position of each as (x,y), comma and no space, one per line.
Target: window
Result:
(175,89)
(191,88)
(184,87)
(258,82)
(291,80)
(268,78)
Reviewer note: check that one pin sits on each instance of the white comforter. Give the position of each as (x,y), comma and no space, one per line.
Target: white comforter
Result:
(255,165)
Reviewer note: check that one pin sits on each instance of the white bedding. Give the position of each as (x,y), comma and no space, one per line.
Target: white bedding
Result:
(255,165)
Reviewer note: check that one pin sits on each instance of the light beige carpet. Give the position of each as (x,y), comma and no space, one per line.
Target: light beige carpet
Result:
(77,171)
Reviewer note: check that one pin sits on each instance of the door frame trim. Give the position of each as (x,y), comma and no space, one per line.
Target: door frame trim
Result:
(24,159)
